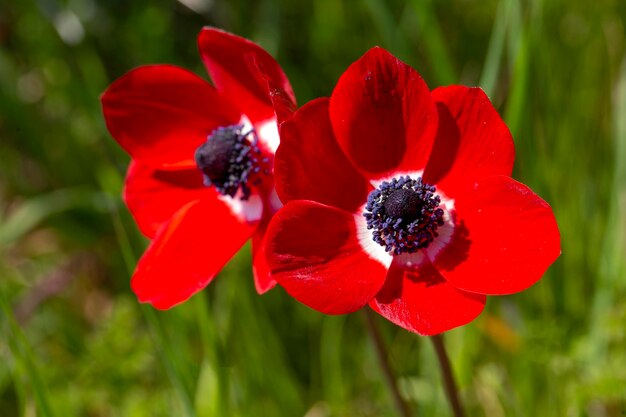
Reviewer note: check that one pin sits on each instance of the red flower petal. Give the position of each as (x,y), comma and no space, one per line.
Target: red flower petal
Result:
(309,164)
(383,115)
(188,252)
(263,280)
(505,238)
(472,141)
(153,196)
(160,114)
(282,100)
(423,302)
(314,252)
(240,69)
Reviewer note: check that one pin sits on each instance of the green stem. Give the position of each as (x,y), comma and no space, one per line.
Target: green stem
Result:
(383,360)
(448,378)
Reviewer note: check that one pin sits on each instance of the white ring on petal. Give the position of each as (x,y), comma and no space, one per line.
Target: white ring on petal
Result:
(445,232)
(364,236)
(410,260)
(413,174)
(249,210)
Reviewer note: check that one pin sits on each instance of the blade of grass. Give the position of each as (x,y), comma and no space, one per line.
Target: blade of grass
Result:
(212,394)
(33,211)
(170,361)
(388,27)
(331,369)
(493,59)
(209,399)
(518,49)
(23,353)
(438,54)
(612,260)
(259,357)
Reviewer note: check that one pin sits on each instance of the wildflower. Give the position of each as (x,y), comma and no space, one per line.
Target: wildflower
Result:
(200,182)
(401,198)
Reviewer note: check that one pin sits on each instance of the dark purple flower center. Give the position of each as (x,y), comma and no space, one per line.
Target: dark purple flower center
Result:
(229,158)
(404,214)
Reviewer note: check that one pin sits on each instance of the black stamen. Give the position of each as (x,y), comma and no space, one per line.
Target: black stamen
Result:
(404,215)
(403,204)
(228,158)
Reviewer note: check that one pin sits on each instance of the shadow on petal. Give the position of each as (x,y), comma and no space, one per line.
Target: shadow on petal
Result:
(457,250)
(445,148)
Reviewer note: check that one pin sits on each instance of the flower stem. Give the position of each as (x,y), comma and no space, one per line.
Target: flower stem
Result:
(448,378)
(383,360)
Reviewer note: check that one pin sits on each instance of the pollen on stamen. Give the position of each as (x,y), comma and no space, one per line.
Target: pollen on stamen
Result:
(404,215)
(229,159)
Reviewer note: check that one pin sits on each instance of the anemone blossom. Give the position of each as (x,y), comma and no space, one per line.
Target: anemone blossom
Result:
(401,198)
(200,182)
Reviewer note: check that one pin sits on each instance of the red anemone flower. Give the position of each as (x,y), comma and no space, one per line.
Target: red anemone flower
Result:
(401,198)
(200,183)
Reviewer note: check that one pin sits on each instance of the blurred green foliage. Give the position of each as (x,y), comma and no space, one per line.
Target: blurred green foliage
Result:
(73,339)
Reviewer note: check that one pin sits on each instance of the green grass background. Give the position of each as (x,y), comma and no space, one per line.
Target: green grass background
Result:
(75,342)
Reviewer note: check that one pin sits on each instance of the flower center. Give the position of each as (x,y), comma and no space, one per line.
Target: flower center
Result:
(404,214)
(229,158)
